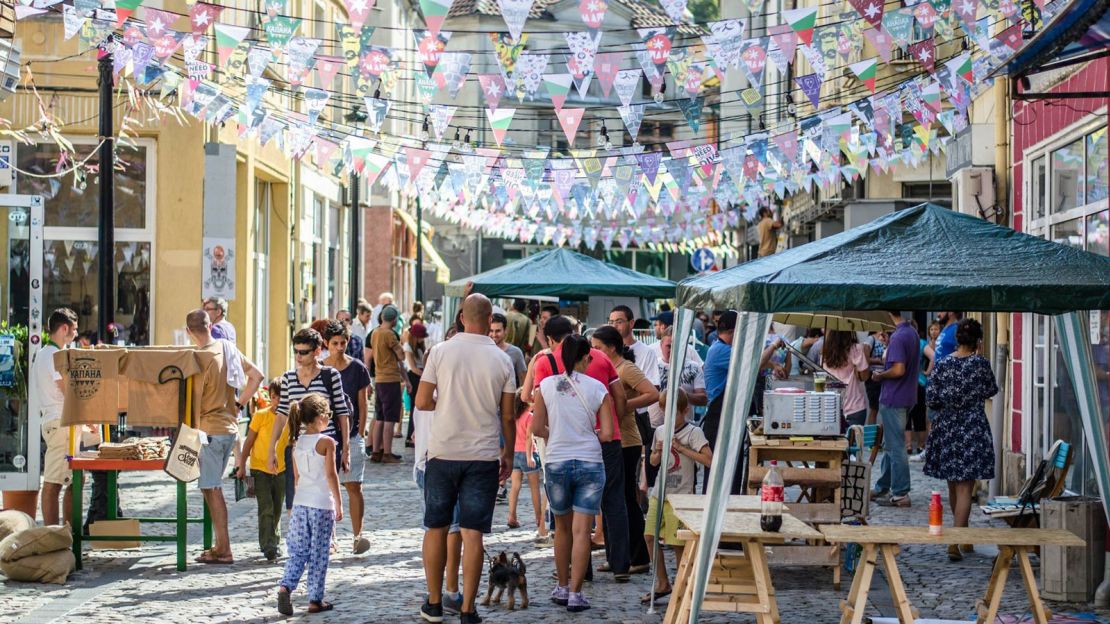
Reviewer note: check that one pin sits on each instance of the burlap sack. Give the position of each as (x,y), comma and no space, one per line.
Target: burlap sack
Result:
(35,541)
(49,568)
(14,521)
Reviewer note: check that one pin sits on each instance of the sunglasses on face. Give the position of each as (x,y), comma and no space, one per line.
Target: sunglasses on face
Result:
(303,351)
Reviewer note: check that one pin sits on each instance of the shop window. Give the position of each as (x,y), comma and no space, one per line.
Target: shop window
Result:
(1098,168)
(937,189)
(652,263)
(1040,186)
(1067,177)
(73,202)
(1069,233)
(1098,238)
(619,258)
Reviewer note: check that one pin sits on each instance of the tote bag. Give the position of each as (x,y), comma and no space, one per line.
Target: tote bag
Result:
(183,463)
(855,484)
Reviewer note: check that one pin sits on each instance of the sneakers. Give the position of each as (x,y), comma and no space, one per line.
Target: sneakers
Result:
(452,603)
(432,612)
(560,595)
(895,501)
(362,545)
(876,494)
(469,618)
(918,458)
(577,602)
(502,495)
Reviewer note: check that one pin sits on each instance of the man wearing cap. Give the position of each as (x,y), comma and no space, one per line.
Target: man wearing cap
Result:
(389,376)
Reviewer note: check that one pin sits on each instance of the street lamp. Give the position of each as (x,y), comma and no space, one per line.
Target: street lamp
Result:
(355,117)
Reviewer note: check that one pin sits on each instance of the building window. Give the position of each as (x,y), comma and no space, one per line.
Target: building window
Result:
(264,193)
(1067,177)
(937,189)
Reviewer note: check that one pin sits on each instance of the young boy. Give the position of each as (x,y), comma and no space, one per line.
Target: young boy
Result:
(269,487)
(688,447)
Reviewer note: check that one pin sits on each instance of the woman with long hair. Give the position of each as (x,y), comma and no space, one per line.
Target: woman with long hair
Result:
(571,412)
(639,394)
(844,357)
(414,348)
(960,448)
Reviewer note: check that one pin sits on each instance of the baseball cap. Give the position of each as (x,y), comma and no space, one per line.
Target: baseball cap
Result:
(418,331)
(390,313)
(666,318)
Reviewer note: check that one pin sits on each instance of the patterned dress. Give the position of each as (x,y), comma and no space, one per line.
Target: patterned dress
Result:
(960,446)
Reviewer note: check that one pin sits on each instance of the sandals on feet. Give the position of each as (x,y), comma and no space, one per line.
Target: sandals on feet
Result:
(658,595)
(285,603)
(513,524)
(211,558)
(317,607)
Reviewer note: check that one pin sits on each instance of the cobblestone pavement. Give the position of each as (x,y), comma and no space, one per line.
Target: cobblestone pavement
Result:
(387,584)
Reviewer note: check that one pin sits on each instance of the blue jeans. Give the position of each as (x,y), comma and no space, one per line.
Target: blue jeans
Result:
(575,486)
(894,468)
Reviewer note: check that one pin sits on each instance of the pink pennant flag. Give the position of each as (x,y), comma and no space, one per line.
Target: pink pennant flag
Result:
(606,66)
(882,42)
(788,145)
(326,69)
(203,16)
(358,11)
(416,159)
(324,150)
(593,12)
(569,118)
(786,39)
(493,87)
(157,22)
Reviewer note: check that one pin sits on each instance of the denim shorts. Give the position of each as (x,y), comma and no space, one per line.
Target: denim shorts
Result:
(575,486)
(520,462)
(358,463)
(454,528)
(213,460)
(469,485)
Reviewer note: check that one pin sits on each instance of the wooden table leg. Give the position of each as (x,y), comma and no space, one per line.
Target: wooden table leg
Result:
(894,580)
(988,606)
(852,612)
(681,581)
(764,589)
(1041,615)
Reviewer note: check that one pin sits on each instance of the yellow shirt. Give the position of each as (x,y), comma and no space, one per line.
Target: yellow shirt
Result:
(262,424)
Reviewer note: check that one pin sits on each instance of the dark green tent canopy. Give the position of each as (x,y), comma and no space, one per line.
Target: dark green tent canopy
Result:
(921,258)
(565,274)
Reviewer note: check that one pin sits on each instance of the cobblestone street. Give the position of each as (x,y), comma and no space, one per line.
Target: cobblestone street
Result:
(387,584)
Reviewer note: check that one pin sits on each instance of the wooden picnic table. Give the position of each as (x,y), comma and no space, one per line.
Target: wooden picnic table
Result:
(697,502)
(884,541)
(739,582)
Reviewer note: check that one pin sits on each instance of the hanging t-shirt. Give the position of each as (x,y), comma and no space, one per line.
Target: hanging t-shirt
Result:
(570,424)
(681,470)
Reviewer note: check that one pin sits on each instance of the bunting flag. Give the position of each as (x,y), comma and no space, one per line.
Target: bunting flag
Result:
(229,37)
(558,86)
(627,84)
(435,11)
(961,66)
(593,13)
(657,44)
(899,25)
(569,118)
(786,40)
(632,116)
(866,71)
(675,9)
(203,16)
(493,87)
(925,15)
(606,66)
(376,111)
(966,11)
(124,10)
(279,30)
(881,42)
(725,42)
(870,10)
(507,53)
(430,47)
(810,84)
(924,52)
(649,164)
(583,50)
(441,119)
(452,72)
(315,101)
(802,21)
(358,11)
(326,68)
(515,13)
(499,121)
(416,159)
(754,57)
(691,110)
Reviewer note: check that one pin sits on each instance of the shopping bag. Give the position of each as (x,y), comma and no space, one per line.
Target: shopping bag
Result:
(183,461)
(855,482)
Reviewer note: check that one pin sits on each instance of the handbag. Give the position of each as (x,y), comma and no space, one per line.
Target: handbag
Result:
(183,460)
(855,481)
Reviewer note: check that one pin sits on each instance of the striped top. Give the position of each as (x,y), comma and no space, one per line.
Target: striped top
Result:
(327,384)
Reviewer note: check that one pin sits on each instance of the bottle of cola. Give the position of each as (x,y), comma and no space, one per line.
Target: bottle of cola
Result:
(771,495)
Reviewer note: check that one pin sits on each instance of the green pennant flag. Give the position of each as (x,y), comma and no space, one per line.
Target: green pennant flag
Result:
(865,71)
(125,9)
(802,22)
(228,37)
(279,30)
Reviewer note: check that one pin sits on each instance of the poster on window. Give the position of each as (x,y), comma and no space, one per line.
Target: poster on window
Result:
(218,272)
(7,361)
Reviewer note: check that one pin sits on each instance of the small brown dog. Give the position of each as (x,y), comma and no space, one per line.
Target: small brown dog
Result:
(507,573)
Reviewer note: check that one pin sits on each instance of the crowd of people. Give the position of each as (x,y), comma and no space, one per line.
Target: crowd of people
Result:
(508,398)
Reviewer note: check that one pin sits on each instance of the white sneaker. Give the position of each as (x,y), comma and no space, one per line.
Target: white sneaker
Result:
(918,458)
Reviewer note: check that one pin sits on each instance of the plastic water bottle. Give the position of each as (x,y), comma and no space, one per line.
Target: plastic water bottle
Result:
(771,497)
(936,515)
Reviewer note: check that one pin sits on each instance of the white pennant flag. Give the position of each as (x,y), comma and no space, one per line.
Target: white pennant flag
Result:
(515,13)
(626,84)
(441,119)
(632,116)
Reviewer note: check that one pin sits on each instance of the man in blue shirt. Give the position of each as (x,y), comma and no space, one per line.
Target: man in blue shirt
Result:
(897,395)
(946,342)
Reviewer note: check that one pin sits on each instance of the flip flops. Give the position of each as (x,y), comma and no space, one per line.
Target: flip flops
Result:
(207,557)
(658,596)
(317,607)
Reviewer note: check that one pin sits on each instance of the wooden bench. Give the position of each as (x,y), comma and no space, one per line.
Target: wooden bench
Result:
(885,541)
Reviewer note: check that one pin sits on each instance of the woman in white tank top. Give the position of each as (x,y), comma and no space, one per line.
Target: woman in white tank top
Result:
(316,503)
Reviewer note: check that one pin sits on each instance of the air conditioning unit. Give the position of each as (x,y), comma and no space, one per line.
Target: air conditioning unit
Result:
(973,191)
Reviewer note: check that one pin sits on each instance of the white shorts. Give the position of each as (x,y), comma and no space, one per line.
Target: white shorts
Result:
(56,469)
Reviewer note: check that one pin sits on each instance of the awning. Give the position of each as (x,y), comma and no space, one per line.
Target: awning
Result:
(443,272)
(1079,30)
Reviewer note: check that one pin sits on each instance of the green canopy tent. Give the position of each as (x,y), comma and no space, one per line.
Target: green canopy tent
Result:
(922,258)
(565,274)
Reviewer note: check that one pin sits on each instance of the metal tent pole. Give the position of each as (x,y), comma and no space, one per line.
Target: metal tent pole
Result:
(356,251)
(419,251)
(106,265)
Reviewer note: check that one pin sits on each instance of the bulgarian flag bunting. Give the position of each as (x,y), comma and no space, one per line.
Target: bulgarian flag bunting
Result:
(558,86)
(499,121)
(229,37)
(125,9)
(435,11)
(802,21)
(376,164)
(865,71)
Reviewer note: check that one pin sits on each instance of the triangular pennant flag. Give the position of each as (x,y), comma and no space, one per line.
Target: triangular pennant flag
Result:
(452,71)
(435,11)
(279,30)
(924,52)
(691,110)
(786,39)
(627,84)
(569,118)
(441,119)
(515,13)
(583,50)
(865,71)
(606,66)
(881,41)
(493,87)
(430,47)
(228,37)
(899,25)
(326,68)
(376,111)
(558,86)
(810,84)
(358,11)
(506,51)
(632,116)
(203,15)
(675,9)
(499,121)
(802,21)
(649,164)
(315,101)
(870,10)
(124,10)
(416,159)
(593,13)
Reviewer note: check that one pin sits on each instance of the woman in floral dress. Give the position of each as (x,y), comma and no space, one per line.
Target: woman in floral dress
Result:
(960,448)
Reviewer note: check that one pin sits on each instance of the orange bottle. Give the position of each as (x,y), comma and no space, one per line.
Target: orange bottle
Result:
(936,515)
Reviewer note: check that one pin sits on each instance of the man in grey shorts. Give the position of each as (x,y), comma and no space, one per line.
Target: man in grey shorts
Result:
(219,412)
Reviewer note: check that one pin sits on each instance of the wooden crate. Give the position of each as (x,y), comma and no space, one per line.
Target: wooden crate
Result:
(1071,574)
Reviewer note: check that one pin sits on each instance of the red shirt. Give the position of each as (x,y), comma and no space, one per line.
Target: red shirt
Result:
(600,368)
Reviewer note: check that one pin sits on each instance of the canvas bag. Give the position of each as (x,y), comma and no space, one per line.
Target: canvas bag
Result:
(183,461)
(855,480)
